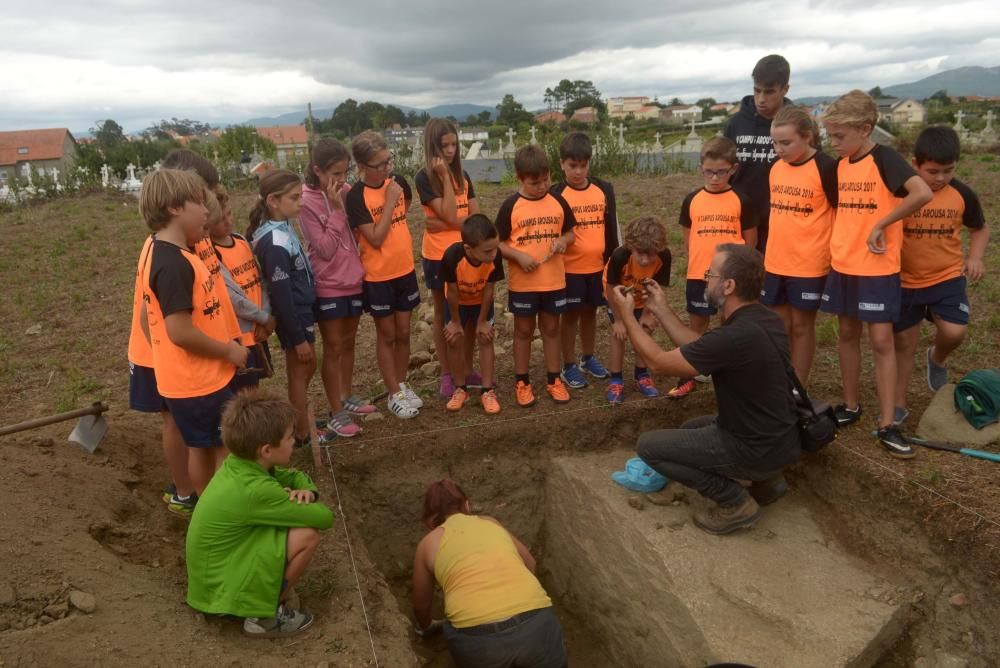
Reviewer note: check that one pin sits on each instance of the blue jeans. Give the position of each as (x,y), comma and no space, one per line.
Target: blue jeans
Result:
(706,458)
(536,642)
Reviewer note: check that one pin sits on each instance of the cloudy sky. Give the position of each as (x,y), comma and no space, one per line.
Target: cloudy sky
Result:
(68,63)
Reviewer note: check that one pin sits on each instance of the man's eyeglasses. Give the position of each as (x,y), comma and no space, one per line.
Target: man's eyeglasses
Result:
(709,274)
(382,165)
(716,173)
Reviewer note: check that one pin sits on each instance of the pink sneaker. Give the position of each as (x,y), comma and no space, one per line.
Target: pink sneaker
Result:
(358,406)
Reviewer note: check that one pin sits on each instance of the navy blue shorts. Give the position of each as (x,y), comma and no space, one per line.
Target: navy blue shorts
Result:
(530,303)
(432,274)
(697,302)
(199,419)
(946,300)
(804,294)
(335,308)
(307,322)
(382,298)
(611,314)
(867,298)
(250,379)
(143,396)
(467,313)
(583,290)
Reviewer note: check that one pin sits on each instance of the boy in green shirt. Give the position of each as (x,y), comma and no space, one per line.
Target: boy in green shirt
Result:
(256,527)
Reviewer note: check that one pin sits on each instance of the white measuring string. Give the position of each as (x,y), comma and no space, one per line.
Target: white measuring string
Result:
(350,551)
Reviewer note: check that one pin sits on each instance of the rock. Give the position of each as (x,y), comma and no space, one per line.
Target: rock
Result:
(44,619)
(431,369)
(945,660)
(83,601)
(636,502)
(7,594)
(419,358)
(917,597)
(372,417)
(959,601)
(44,442)
(941,422)
(34,330)
(57,610)
(420,327)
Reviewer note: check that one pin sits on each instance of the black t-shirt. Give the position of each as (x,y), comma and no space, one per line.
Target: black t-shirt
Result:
(171,278)
(751,385)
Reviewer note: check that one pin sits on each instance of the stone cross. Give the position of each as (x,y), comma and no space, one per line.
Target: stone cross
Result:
(215,154)
(532,130)
(693,133)
(989,121)
(130,170)
(621,135)
(611,129)
(958,122)
(105,175)
(28,172)
(510,140)
(597,145)
(55,174)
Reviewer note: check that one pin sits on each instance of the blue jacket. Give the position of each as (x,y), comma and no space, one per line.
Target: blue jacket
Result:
(288,277)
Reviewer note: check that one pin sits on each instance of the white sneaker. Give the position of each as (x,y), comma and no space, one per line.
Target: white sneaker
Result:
(400,407)
(703,379)
(411,397)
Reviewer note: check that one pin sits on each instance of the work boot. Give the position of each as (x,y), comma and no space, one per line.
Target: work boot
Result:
(766,492)
(727,519)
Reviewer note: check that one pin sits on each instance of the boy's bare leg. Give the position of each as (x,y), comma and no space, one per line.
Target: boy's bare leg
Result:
(948,336)
(175,452)
(330,369)
(469,349)
(437,327)
(524,331)
(849,350)
(344,332)
(884,354)
(906,350)
(802,342)
(385,351)
(299,375)
(548,324)
(487,358)
(588,329)
(784,312)
(698,322)
(616,354)
(301,546)
(456,359)
(202,464)
(401,351)
(568,322)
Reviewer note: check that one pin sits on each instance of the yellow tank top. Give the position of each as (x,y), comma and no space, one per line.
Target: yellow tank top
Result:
(482,575)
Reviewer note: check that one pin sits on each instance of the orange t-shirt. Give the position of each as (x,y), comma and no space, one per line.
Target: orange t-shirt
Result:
(868,189)
(175,280)
(596,228)
(803,206)
(140,352)
(622,269)
(932,242)
(434,244)
(205,250)
(394,258)
(469,279)
(530,226)
(713,219)
(242,265)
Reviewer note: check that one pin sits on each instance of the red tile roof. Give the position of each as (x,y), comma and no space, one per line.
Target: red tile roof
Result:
(41,144)
(283,135)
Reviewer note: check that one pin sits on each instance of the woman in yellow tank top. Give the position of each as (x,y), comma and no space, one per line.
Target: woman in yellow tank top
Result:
(498,615)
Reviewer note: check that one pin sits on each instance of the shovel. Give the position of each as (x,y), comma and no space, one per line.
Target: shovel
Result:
(88,432)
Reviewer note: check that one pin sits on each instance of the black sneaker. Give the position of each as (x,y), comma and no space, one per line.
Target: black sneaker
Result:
(846,415)
(766,492)
(894,441)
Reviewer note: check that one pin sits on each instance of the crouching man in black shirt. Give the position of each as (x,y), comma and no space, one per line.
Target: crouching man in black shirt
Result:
(755,435)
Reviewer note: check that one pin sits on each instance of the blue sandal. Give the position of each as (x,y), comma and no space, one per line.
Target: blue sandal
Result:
(639,477)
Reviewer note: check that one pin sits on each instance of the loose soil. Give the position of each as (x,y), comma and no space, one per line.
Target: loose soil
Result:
(95,523)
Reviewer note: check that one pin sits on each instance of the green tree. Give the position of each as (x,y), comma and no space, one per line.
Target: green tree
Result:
(108,134)
(568,96)
(674,102)
(239,140)
(512,112)
(484,117)
(393,116)
(706,102)
(941,96)
(876,93)
(182,126)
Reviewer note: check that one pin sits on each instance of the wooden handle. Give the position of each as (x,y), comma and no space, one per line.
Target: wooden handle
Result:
(95,409)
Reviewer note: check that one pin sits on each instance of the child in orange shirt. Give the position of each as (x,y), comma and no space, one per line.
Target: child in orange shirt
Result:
(712,215)
(448,198)
(934,272)
(376,210)
(876,189)
(536,228)
(803,186)
(643,256)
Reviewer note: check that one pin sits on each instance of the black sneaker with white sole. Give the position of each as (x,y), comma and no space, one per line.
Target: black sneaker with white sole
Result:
(894,441)
(845,415)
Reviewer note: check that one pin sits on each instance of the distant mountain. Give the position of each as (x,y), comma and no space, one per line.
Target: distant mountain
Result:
(461,111)
(810,101)
(960,81)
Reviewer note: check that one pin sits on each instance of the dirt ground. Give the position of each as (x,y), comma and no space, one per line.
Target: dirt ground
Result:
(75,522)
